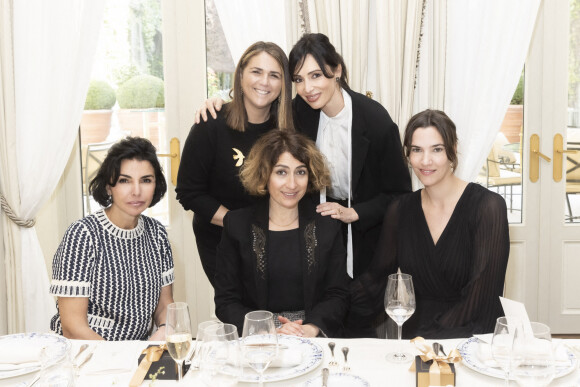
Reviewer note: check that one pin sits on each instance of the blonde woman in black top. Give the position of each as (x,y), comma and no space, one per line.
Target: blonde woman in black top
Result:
(207,182)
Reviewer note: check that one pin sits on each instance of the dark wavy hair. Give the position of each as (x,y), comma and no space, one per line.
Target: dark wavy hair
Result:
(323,52)
(130,148)
(440,121)
(258,166)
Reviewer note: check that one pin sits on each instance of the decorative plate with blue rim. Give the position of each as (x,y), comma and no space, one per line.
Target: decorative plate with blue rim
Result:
(311,357)
(339,380)
(56,348)
(469,349)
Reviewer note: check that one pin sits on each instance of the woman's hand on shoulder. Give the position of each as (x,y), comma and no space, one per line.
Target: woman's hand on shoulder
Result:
(211,105)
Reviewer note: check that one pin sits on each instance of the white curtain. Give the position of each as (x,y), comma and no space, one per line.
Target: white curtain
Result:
(487,44)
(398,29)
(346,22)
(10,265)
(249,21)
(430,88)
(54,44)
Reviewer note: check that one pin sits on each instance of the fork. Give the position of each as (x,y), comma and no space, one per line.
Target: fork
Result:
(332,361)
(345,368)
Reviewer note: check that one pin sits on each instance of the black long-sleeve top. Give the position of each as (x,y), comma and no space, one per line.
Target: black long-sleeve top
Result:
(457,281)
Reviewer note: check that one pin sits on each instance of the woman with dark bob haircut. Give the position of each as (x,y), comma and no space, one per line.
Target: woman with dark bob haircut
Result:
(451,236)
(279,254)
(113,270)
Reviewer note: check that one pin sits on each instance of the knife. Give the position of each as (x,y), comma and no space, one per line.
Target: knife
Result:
(325,377)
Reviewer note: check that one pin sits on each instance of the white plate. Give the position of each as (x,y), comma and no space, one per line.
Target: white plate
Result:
(339,380)
(311,358)
(56,346)
(468,350)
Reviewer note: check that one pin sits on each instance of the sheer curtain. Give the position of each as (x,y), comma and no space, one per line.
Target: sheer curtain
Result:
(54,44)
(487,44)
(398,30)
(345,22)
(248,21)
(10,268)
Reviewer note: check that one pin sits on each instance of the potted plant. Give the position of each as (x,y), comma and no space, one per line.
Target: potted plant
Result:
(142,103)
(96,118)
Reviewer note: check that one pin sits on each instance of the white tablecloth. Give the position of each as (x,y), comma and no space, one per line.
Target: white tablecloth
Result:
(366,359)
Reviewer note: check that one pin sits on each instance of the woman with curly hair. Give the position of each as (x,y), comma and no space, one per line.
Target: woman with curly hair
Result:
(279,254)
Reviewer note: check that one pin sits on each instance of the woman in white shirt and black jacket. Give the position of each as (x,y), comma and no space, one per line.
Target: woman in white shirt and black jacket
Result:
(359,139)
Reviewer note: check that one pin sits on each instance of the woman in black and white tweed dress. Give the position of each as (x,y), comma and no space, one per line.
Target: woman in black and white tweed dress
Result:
(113,270)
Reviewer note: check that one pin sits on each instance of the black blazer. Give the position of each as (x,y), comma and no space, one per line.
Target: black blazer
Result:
(241,280)
(379,169)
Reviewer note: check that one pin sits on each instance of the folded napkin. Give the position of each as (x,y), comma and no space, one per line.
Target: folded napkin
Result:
(17,357)
(286,358)
(113,357)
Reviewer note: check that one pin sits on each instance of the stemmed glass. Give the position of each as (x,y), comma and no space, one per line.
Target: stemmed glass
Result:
(178,334)
(259,341)
(221,359)
(507,337)
(197,351)
(400,305)
(536,365)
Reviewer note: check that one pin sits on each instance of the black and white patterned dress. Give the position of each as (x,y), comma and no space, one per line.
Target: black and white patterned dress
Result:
(120,271)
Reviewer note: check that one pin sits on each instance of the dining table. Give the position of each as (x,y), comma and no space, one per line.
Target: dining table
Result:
(114,363)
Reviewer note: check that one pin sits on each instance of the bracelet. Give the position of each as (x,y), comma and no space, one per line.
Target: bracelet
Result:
(160,325)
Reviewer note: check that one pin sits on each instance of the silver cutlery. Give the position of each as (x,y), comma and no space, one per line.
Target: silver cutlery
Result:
(332,361)
(345,368)
(438,349)
(325,377)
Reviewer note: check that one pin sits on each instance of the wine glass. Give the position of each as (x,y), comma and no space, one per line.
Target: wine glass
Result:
(196,353)
(508,333)
(221,358)
(259,341)
(400,305)
(536,365)
(178,334)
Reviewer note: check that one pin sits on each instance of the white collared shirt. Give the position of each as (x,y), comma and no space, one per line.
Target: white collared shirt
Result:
(334,142)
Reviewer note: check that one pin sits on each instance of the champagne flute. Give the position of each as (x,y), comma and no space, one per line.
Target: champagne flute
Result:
(400,305)
(536,365)
(221,359)
(178,334)
(508,333)
(259,341)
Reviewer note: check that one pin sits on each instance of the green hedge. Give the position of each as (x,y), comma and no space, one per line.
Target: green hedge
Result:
(141,92)
(100,96)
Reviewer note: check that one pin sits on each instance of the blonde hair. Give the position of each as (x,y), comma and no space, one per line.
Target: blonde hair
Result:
(280,109)
(258,166)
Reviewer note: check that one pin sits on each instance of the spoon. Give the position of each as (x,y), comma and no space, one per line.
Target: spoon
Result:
(332,361)
(325,377)
(345,368)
